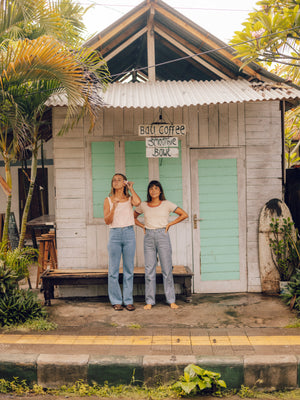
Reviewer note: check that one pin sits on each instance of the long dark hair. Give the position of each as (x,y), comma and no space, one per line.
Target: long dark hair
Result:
(125,189)
(161,195)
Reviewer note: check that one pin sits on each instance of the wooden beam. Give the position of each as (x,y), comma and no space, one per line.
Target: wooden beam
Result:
(115,31)
(120,38)
(195,50)
(151,46)
(191,61)
(206,39)
(190,53)
(125,44)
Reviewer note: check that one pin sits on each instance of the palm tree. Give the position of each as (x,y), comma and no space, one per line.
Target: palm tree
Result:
(33,69)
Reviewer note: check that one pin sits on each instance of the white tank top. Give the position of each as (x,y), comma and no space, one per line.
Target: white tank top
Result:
(123,215)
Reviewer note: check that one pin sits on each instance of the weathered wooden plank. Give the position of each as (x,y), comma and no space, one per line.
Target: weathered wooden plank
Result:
(264,173)
(69,213)
(66,243)
(233,124)
(69,153)
(262,164)
(68,183)
(63,142)
(150,115)
(72,233)
(70,203)
(223,124)
(118,121)
(108,117)
(75,174)
(193,138)
(71,253)
(138,118)
(70,193)
(98,128)
(69,163)
(128,126)
(213,126)
(203,126)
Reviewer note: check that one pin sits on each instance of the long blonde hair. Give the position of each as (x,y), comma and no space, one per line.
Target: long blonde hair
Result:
(125,189)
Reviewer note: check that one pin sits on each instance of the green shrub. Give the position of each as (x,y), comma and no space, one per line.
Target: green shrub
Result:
(285,246)
(8,280)
(198,380)
(19,306)
(17,260)
(291,296)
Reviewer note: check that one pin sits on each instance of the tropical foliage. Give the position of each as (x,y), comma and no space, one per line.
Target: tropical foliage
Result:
(291,296)
(38,59)
(271,36)
(198,380)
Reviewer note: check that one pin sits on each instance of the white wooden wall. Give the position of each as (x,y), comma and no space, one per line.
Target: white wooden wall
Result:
(254,127)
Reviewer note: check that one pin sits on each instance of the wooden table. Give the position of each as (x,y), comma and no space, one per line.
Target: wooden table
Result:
(74,277)
(44,223)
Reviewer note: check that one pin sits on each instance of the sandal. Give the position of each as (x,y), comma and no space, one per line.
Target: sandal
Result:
(118,307)
(130,307)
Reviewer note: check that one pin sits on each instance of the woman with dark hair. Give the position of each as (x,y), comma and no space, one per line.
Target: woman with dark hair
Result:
(118,214)
(156,225)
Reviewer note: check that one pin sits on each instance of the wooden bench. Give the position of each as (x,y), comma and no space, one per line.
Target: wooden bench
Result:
(182,276)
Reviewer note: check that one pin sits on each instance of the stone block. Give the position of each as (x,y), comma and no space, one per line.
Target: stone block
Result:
(165,369)
(115,370)
(13,366)
(271,371)
(231,368)
(55,370)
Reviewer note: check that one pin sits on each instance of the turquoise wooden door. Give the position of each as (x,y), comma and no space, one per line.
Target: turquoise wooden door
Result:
(217,222)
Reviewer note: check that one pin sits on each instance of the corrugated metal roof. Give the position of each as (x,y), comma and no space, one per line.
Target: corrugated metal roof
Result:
(182,93)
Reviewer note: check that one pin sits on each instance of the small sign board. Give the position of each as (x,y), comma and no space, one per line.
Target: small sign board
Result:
(162,130)
(161,142)
(162,152)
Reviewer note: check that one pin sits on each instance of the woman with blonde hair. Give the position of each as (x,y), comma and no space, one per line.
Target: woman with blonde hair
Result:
(118,214)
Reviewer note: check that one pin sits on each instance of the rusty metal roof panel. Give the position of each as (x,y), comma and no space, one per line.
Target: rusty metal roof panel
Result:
(188,93)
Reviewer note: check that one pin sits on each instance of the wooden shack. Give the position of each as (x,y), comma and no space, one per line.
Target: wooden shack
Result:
(171,77)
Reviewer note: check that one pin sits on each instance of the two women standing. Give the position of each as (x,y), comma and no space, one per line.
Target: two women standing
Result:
(118,213)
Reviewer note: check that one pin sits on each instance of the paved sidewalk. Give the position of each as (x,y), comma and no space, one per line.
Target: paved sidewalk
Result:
(242,336)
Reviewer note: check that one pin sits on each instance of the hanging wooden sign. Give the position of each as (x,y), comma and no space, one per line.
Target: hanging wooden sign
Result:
(162,130)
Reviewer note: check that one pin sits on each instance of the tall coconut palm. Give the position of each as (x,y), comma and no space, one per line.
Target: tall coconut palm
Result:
(32,67)
(32,70)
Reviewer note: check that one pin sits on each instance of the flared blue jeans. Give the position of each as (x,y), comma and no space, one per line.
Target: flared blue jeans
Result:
(157,242)
(121,243)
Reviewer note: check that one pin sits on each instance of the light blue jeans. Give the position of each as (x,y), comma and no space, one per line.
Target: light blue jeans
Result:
(157,242)
(121,242)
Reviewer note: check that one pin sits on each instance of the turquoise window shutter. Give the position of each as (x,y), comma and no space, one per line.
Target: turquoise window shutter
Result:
(170,176)
(137,166)
(103,168)
(219,227)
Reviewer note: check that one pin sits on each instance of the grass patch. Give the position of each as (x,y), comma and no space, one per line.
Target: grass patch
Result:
(82,389)
(39,324)
(132,391)
(295,324)
(134,326)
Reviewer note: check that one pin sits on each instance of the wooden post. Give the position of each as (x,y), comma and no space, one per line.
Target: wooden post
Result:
(151,46)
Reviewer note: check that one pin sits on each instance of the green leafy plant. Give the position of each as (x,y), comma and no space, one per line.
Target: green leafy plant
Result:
(17,260)
(198,380)
(18,306)
(8,280)
(291,296)
(285,246)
